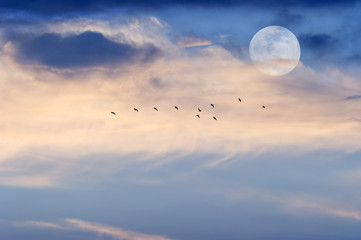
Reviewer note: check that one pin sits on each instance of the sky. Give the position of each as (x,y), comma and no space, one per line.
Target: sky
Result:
(69,169)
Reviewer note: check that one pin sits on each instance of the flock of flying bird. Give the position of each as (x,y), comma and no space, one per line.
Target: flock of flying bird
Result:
(199,110)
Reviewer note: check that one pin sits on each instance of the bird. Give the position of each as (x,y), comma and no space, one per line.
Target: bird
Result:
(176,107)
(198,116)
(212,105)
(215,118)
(136,110)
(199,110)
(156,109)
(113,113)
(239,100)
(263,106)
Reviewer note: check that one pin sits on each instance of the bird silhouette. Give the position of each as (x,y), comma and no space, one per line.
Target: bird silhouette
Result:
(215,118)
(156,109)
(263,106)
(113,113)
(212,105)
(136,110)
(199,110)
(176,107)
(239,100)
(198,116)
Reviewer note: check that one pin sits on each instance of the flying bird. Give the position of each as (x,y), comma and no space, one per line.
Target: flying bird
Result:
(239,100)
(212,105)
(136,110)
(199,110)
(215,118)
(156,109)
(198,116)
(113,113)
(176,107)
(263,106)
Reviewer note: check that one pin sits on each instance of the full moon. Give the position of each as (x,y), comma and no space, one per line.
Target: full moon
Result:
(275,50)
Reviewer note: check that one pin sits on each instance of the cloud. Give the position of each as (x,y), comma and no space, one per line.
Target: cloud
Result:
(39,224)
(56,6)
(27,179)
(317,43)
(99,229)
(355,97)
(339,23)
(285,18)
(186,41)
(324,209)
(84,50)
(56,124)
(298,203)
(57,130)
(355,58)
(115,31)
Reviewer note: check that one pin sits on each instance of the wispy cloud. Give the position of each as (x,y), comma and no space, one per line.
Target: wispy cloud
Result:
(324,209)
(28,179)
(39,224)
(355,97)
(298,203)
(99,229)
(187,41)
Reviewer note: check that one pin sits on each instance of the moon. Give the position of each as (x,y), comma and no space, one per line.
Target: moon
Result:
(275,50)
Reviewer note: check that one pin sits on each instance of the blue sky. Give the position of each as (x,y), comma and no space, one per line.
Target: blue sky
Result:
(71,170)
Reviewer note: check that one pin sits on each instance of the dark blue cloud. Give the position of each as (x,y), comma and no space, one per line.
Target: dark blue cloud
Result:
(328,48)
(317,42)
(46,6)
(355,97)
(354,58)
(84,50)
(320,48)
(285,18)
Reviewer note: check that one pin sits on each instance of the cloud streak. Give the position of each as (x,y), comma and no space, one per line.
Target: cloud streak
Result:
(99,229)
(355,97)
(186,41)
(298,203)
